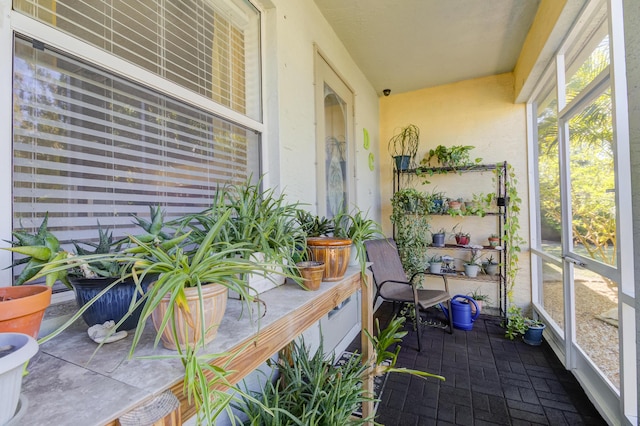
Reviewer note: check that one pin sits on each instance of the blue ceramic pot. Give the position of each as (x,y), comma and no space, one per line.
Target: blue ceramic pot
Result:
(113,305)
(402,162)
(533,335)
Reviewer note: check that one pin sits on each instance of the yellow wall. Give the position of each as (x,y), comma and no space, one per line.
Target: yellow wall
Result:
(477,112)
(546,18)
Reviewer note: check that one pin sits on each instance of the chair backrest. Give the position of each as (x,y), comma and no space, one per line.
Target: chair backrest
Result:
(386,263)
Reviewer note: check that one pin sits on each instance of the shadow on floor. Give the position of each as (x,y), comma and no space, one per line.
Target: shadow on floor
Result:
(490,380)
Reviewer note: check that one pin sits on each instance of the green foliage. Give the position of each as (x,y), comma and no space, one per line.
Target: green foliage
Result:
(39,250)
(511,238)
(357,227)
(410,200)
(311,390)
(314,226)
(479,296)
(515,322)
(591,162)
(405,142)
(411,220)
(453,157)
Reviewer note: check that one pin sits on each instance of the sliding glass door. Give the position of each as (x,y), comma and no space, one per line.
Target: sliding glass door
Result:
(580,164)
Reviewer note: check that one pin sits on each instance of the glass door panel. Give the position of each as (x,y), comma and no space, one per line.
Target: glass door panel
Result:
(591,234)
(596,313)
(592,182)
(334,140)
(553,291)
(335,125)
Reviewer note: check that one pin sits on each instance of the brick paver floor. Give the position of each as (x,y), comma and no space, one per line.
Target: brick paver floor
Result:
(490,380)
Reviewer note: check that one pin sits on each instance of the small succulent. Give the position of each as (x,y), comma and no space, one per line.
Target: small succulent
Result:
(41,250)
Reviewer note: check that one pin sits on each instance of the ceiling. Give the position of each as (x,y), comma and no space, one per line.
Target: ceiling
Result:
(405,45)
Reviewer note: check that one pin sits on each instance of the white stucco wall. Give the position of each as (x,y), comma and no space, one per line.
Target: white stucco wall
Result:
(298,26)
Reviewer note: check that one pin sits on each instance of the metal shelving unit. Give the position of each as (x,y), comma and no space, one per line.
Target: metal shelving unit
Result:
(501,215)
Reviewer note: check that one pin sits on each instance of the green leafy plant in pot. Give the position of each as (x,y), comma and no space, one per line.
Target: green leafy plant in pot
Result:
(357,227)
(411,219)
(262,220)
(403,146)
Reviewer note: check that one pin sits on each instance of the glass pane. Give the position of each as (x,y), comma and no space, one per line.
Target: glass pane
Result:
(335,113)
(549,170)
(597,321)
(208,46)
(552,291)
(587,70)
(592,181)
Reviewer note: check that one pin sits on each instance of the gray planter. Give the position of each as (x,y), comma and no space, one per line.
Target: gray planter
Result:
(15,350)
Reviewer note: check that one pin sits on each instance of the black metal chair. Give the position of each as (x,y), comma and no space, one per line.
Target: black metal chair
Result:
(392,285)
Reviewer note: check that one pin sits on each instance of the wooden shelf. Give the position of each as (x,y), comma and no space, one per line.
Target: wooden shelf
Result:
(111,385)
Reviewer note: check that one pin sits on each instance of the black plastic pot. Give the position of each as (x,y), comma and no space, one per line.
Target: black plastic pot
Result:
(113,305)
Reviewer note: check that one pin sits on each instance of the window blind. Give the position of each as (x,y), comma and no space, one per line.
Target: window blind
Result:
(90,146)
(208,46)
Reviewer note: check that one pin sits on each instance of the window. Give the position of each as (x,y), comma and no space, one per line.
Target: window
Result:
(210,47)
(91,145)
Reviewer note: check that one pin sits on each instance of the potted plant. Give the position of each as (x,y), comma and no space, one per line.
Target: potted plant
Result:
(462,238)
(106,283)
(323,245)
(490,266)
(403,146)
(312,273)
(189,298)
(357,227)
(438,238)
(494,240)
(262,220)
(471,266)
(480,298)
(455,206)
(322,389)
(533,335)
(411,219)
(22,308)
(435,264)
(453,157)
(15,350)
(520,325)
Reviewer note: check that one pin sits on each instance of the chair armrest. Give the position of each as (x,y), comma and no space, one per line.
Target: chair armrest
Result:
(444,278)
(394,281)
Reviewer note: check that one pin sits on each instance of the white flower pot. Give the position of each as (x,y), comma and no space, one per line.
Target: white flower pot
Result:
(471,270)
(435,268)
(17,348)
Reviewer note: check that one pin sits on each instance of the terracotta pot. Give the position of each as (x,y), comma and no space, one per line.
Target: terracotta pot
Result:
(312,273)
(494,242)
(22,308)
(334,252)
(188,325)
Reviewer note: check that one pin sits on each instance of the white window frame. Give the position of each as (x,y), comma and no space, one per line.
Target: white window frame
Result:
(13,22)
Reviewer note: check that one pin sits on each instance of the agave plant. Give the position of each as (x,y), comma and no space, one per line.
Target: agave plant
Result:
(40,250)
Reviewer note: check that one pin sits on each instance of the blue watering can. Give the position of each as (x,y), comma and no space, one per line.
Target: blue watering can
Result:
(461,311)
